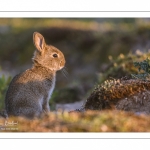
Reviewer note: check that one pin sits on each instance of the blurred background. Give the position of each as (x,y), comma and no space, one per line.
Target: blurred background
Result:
(92,47)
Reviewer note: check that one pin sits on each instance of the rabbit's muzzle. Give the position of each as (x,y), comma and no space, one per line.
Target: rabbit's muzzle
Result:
(62,64)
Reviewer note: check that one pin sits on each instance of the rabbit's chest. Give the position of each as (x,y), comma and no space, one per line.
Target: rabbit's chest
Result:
(50,88)
(46,91)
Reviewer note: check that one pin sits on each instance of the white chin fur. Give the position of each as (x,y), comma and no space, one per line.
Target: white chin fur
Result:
(61,67)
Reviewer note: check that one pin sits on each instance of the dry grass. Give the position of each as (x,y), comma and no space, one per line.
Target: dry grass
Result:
(90,121)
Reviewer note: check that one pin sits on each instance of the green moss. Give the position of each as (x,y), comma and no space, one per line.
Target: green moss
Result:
(144,70)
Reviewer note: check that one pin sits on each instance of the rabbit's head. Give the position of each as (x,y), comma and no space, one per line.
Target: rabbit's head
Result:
(47,55)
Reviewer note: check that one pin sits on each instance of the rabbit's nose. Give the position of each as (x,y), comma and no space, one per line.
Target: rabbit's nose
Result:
(62,64)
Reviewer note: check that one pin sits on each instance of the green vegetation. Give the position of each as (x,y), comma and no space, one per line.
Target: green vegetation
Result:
(124,65)
(4,82)
(145,67)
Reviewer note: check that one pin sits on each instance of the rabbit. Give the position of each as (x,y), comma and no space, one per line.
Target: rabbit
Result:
(29,92)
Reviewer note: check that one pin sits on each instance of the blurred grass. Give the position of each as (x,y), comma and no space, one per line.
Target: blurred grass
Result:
(90,39)
(65,95)
(122,66)
(91,121)
(4,82)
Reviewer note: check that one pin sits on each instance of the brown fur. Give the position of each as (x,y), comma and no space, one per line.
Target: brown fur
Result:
(29,92)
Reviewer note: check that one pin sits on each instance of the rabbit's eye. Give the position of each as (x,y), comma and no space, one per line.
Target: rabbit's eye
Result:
(55,55)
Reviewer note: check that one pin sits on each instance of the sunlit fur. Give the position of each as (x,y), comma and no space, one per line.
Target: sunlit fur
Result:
(29,92)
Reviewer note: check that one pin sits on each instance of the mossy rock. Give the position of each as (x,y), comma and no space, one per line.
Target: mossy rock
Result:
(128,93)
(108,94)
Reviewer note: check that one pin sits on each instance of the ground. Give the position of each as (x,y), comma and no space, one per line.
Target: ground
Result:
(91,121)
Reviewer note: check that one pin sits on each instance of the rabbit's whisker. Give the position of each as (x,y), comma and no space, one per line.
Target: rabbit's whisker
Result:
(64,72)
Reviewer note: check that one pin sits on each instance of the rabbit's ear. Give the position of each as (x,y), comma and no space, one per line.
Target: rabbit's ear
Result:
(39,41)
